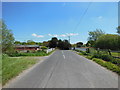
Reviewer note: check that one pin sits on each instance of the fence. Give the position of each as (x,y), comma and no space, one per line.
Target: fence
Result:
(49,50)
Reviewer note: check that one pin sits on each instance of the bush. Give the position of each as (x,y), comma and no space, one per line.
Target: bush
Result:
(43,47)
(116,61)
(104,57)
(107,57)
(87,50)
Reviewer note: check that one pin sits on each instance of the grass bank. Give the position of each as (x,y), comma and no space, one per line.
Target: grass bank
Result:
(103,59)
(11,67)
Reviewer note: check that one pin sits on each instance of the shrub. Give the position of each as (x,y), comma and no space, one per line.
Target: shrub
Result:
(43,47)
(87,50)
(116,61)
(107,57)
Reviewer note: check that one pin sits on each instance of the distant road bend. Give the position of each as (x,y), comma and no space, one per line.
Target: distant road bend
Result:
(66,69)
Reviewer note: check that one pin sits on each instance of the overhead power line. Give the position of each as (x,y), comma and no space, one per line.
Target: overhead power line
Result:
(82,16)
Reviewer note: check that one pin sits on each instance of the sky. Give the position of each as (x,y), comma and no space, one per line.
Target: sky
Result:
(40,21)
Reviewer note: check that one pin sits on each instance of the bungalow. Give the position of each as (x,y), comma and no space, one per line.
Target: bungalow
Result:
(27,47)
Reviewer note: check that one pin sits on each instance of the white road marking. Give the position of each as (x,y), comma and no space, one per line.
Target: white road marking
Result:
(64,56)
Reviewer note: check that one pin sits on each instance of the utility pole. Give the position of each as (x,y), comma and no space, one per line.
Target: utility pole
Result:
(69,38)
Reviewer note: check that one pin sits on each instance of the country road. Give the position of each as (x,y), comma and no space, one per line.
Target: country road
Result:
(66,69)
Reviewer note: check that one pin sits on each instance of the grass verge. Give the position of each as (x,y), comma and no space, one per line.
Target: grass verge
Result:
(108,65)
(11,67)
(105,61)
(41,53)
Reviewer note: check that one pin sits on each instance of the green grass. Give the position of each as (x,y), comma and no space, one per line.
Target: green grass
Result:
(116,54)
(108,65)
(104,60)
(41,53)
(11,67)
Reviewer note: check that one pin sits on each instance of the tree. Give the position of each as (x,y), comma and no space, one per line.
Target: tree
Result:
(66,45)
(60,44)
(79,44)
(94,35)
(108,41)
(24,43)
(45,43)
(7,39)
(118,29)
(53,42)
(17,43)
(90,43)
(30,42)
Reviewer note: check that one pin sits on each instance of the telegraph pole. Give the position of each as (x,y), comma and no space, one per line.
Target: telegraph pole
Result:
(69,38)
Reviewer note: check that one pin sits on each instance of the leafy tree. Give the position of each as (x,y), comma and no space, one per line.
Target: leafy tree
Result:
(23,43)
(66,45)
(79,44)
(17,43)
(118,29)
(53,43)
(94,35)
(45,43)
(60,44)
(108,41)
(30,42)
(7,39)
(90,43)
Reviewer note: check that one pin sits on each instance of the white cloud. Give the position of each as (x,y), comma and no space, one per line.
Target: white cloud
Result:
(72,34)
(63,35)
(35,35)
(55,35)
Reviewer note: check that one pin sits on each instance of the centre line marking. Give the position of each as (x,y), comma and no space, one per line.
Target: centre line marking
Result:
(64,56)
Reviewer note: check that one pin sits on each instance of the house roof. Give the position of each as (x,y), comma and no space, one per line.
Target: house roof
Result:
(27,46)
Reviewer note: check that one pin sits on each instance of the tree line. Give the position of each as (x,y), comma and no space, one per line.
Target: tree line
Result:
(99,39)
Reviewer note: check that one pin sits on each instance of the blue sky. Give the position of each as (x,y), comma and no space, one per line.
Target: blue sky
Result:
(39,21)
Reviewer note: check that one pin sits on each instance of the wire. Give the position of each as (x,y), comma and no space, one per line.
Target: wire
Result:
(82,16)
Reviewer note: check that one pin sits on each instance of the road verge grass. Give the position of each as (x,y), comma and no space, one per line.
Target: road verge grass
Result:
(108,65)
(106,61)
(11,67)
(40,53)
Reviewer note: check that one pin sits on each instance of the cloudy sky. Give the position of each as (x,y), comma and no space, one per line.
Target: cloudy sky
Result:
(40,21)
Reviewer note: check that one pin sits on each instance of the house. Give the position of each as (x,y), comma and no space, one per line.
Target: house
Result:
(27,47)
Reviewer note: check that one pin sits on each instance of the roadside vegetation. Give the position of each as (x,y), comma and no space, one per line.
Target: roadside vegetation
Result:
(11,67)
(103,59)
(38,53)
(13,61)
(104,49)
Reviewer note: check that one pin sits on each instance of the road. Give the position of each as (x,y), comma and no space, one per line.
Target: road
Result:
(66,69)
